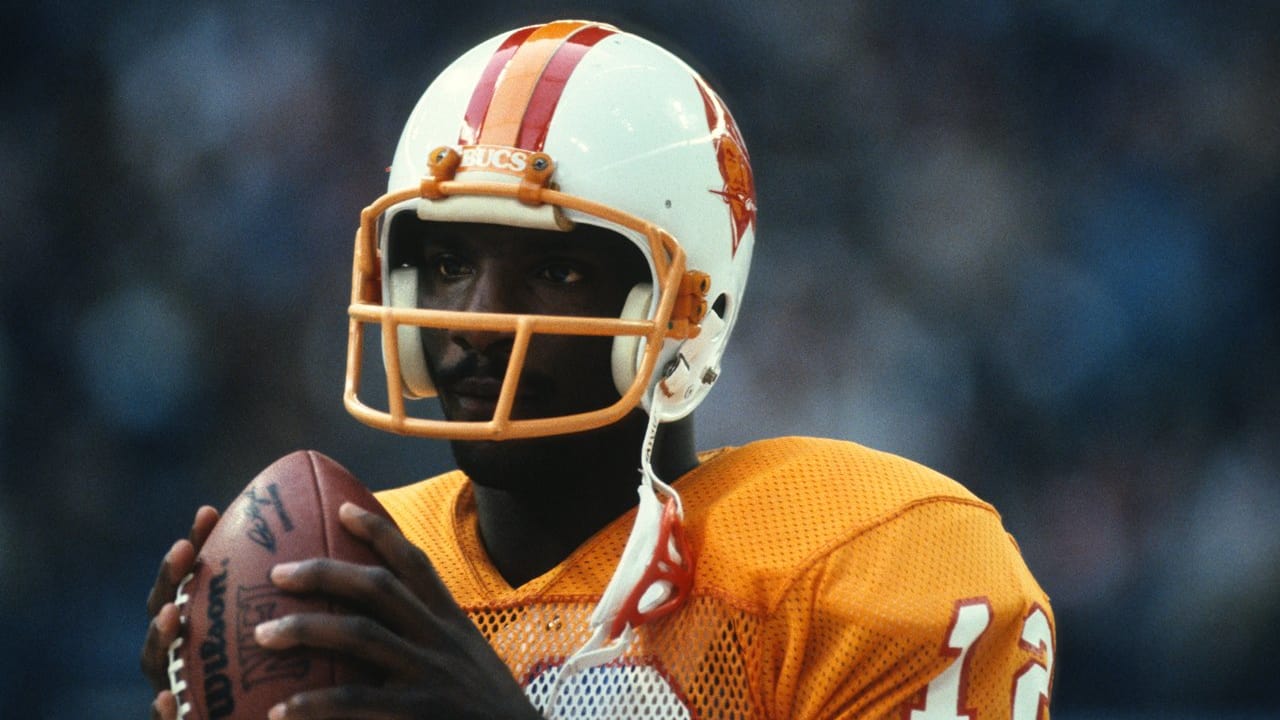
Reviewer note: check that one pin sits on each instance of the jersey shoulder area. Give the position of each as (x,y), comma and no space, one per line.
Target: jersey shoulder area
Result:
(830,487)
(827,465)
(767,512)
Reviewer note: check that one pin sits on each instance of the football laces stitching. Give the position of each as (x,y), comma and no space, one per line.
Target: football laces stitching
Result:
(177,683)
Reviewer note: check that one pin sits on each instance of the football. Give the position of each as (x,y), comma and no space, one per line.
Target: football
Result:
(288,512)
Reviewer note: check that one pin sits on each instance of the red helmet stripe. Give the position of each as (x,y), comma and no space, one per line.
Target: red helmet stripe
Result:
(533,129)
(514,101)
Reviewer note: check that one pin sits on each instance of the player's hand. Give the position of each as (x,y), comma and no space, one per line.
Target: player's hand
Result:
(436,663)
(165,626)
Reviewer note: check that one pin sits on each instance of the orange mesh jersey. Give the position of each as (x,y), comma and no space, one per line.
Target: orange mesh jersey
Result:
(833,581)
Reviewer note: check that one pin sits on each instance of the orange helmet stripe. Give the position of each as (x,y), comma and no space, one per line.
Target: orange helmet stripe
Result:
(480,97)
(517,94)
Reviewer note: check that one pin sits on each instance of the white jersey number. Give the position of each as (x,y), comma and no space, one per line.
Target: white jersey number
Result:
(944,697)
(1031,687)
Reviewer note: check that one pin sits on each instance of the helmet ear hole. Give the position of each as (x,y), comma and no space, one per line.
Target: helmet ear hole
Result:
(626,348)
(718,307)
(403,284)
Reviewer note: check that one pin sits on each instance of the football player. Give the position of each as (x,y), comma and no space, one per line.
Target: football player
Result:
(560,259)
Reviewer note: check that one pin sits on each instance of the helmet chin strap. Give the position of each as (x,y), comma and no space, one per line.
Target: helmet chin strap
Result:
(654,576)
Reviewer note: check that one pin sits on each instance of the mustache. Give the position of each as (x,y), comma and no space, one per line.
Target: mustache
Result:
(474,364)
(467,366)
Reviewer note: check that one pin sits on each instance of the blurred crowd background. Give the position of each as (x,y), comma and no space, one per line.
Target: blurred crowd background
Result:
(1031,244)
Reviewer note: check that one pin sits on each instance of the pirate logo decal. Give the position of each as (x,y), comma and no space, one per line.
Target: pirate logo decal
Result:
(739,190)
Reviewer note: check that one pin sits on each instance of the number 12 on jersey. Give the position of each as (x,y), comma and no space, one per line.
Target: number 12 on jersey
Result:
(944,699)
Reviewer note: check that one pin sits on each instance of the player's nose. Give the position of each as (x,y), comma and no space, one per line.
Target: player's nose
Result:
(490,293)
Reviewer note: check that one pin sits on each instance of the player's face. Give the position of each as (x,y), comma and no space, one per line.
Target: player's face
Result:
(498,269)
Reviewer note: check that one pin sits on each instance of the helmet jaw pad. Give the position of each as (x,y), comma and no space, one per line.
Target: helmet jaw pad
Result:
(402,283)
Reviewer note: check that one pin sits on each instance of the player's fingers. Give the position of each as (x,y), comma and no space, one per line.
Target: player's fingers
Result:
(173,567)
(353,635)
(206,517)
(404,558)
(372,588)
(165,706)
(180,559)
(161,632)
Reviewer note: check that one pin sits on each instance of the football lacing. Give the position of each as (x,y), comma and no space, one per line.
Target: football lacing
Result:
(177,683)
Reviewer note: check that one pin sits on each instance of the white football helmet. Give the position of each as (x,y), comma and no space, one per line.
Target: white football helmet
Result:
(545,127)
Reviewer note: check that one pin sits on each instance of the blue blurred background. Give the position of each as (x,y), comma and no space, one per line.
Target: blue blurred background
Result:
(1033,245)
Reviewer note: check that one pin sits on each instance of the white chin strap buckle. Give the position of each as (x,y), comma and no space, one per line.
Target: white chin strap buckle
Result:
(653,579)
(655,575)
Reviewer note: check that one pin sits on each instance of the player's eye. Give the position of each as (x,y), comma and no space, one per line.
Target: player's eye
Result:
(449,266)
(561,273)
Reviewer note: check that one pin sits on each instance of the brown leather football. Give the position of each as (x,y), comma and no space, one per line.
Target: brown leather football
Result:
(288,512)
